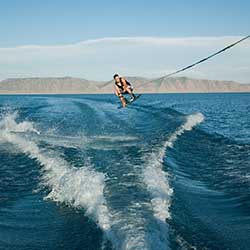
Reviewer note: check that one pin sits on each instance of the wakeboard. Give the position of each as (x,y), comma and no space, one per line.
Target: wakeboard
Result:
(136,97)
(130,102)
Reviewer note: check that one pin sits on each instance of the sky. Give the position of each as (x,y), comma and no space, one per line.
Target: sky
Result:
(94,39)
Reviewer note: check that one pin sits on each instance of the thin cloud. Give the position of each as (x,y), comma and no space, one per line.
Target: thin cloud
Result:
(168,41)
(145,56)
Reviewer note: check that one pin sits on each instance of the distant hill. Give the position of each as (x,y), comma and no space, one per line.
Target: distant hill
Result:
(188,85)
(70,85)
(48,85)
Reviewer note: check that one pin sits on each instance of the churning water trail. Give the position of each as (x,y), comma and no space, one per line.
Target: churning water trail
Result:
(84,187)
(156,178)
(79,187)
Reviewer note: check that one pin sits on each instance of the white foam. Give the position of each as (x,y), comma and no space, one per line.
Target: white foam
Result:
(156,179)
(78,187)
(9,124)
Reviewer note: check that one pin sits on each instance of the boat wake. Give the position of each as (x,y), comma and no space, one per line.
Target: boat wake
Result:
(156,178)
(84,187)
(80,187)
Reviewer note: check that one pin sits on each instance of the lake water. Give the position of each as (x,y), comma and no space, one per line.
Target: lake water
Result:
(170,171)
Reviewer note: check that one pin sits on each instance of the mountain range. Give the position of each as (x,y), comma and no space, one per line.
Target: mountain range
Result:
(71,85)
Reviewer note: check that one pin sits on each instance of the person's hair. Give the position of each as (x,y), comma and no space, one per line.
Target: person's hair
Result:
(115,75)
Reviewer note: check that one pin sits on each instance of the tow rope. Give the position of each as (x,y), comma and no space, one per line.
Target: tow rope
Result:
(204,59)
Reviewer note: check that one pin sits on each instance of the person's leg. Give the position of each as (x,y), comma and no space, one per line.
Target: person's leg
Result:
(130,92)
(121,97)
(129,89)
(123,101)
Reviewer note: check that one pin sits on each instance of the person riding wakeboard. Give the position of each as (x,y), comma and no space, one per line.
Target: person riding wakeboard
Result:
(122,86)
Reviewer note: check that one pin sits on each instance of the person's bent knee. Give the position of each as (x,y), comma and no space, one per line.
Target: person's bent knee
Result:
(129,89)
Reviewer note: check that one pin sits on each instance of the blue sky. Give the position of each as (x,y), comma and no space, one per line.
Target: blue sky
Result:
(56,23)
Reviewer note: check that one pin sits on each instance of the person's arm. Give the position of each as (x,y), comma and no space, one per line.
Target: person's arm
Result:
(117,91)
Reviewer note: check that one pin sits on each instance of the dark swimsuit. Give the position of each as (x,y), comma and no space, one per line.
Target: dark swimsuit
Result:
(121,86)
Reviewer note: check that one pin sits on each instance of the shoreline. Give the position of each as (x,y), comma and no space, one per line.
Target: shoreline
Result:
(110,93)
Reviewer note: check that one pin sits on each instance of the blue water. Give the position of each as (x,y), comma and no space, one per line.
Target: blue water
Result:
(169,172)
